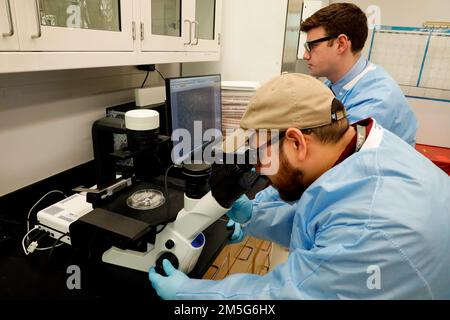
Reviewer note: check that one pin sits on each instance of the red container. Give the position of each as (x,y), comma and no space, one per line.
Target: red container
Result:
(440,156)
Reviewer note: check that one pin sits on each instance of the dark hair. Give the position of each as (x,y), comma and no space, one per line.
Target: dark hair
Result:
(340,18)
(333,132)
(329,133)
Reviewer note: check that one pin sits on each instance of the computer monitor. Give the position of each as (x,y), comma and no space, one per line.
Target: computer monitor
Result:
(194,103)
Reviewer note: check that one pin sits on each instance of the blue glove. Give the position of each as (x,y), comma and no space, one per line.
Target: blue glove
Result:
(238,234)
(241,210)
(167,287)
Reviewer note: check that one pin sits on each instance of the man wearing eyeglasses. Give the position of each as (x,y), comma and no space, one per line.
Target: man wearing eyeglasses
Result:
(336,36)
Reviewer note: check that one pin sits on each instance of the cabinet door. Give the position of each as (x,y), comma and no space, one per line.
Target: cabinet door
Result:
(206,25)
(9,41)
(75,25)
(165,25)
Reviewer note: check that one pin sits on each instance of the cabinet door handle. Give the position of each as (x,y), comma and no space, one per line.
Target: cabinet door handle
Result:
(133,30)
(190,31)
(142,31)
(11,26)
(195,32)
(38,19)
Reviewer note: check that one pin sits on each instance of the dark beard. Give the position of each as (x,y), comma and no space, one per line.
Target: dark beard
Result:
(288,181)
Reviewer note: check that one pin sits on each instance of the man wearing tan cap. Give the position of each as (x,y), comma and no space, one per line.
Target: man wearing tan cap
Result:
(365,217)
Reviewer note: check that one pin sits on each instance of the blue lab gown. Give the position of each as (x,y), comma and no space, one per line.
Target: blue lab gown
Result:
(367,90)
(375,226)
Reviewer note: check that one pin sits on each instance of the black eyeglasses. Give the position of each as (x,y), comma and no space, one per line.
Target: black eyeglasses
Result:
(273,139)
(255,150)
(309,45)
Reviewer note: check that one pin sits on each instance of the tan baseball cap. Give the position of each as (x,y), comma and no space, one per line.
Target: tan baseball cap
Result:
(291,100)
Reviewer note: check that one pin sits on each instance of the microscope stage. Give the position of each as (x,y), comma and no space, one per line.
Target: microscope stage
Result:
(162,214)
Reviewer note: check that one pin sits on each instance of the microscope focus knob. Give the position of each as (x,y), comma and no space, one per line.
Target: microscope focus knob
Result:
(169,244)
(169,256)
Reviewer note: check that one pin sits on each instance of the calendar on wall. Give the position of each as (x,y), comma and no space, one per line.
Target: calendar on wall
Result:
(417,58)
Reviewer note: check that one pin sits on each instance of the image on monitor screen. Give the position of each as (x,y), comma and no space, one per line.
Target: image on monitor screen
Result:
(195,105)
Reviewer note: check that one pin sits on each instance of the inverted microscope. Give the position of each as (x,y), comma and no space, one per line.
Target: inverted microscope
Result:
(133,223)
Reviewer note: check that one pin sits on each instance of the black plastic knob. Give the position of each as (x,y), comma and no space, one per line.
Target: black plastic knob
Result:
(169,256)
(170,244)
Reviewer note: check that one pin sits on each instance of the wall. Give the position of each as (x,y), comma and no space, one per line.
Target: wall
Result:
(252,41)
(407,13)
(434,122)
(46,117)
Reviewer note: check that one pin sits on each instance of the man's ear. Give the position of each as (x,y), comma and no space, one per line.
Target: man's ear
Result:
(295,142)
(343,43)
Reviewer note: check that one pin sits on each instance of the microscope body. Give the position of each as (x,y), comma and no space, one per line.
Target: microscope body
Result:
(138,244)
(181,241)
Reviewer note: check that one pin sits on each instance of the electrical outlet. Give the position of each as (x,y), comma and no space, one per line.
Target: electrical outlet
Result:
(146,67)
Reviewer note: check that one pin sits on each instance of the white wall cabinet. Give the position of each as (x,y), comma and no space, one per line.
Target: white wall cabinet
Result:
(9,40)
(49,25)
(165,24)
(64,34)
(206,25)
(181,25)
